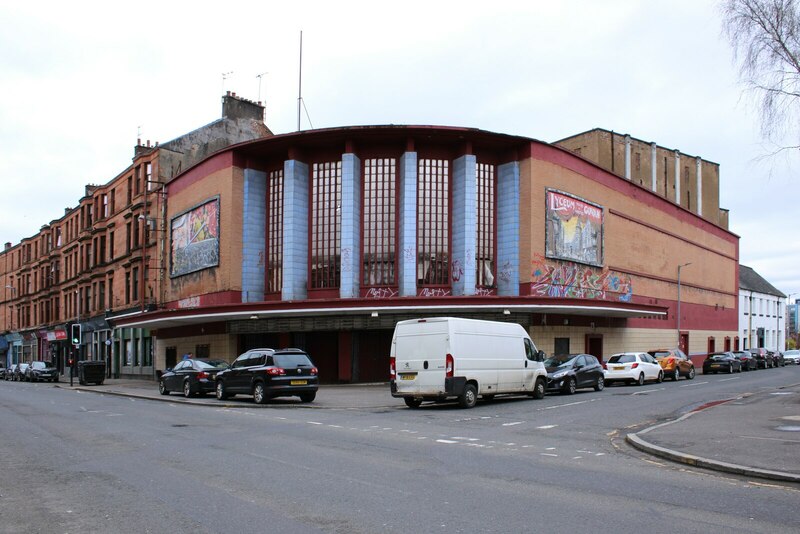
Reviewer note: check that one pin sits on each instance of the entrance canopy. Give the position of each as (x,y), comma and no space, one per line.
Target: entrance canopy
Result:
(488,308)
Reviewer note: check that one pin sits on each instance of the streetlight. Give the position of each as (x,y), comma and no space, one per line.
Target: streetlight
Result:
(679,303)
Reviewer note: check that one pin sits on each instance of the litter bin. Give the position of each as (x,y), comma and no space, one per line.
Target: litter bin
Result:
(91,371)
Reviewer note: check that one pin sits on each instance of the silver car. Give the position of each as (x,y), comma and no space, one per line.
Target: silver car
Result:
(792,356)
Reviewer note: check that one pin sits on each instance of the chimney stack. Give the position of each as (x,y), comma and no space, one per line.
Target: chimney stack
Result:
(234,107)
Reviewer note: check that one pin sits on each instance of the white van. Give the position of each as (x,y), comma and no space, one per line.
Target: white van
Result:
(443,357)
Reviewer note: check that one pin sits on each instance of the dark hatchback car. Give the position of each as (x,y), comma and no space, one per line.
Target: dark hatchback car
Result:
(721,362)
(763,361)
(748,361)
(269,373)
(573,371)
(41,371)
(192,377)
(777,359)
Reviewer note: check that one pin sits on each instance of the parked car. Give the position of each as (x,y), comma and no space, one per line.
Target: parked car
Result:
(2,370)
(9,372)
(777,359)
(724,362)
(792,356)
(269,373)
(762,361)
(192,377)
(634,367)
(674,363)
(20,371)
(41,371)
(748,361)
(573,371)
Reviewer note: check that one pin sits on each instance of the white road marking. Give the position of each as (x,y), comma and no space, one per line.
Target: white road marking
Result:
(550,449)
(726,379)
(548,454)
(600,454)
(313,423)
(546,427)
(447,441)
(577,457)
(563,405)
(694,384)
(334,426)
(512,424)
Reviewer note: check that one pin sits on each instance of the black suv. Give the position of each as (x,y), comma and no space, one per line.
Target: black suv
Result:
(269,373)
(41,371)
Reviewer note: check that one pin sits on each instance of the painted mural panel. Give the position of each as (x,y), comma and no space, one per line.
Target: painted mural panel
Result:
(574,229)
(194,239)
(571,280)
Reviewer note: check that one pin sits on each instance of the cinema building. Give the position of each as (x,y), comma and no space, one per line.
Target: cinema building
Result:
(324,239)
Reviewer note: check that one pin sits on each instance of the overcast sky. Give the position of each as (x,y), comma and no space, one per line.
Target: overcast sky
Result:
(81,80)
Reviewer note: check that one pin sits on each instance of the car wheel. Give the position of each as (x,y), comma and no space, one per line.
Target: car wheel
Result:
(730,369)
(411,402)
(162,388)
(676,375)
(539,389)
(309,397)
(690,376)
(221,393)
(601,383)
(570,387)
(469,397)
(187,389)
(660,377)
(259,395)
(640,380)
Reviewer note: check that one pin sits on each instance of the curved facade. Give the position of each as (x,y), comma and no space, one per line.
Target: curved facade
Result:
(325,239)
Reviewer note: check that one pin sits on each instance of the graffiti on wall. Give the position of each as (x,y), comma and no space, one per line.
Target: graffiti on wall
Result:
(572,280)
(574,229)
(194,239)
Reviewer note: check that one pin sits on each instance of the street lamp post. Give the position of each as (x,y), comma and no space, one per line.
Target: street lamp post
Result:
(679,303)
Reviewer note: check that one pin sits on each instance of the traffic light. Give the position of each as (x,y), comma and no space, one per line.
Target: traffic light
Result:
(76,334)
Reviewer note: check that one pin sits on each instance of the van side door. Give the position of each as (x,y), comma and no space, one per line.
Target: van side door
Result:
(530,366)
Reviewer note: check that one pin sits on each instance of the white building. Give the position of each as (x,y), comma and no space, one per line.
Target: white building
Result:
(762,312)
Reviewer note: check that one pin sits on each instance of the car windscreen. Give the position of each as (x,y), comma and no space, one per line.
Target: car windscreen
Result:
(292,360)
(39,365)
(622,358)
(559,361)
(659,354)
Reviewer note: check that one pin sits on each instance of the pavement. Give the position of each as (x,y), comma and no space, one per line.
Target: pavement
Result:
(755,435)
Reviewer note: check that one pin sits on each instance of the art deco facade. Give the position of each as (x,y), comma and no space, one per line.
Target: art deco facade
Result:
(324,239)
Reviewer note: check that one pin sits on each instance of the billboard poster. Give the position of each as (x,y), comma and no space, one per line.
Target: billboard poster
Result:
(194,239)
(574,229)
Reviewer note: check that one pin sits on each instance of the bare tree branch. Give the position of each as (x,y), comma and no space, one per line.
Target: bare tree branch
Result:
(765,37)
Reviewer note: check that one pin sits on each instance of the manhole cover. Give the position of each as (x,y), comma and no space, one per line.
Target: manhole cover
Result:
(789,428)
